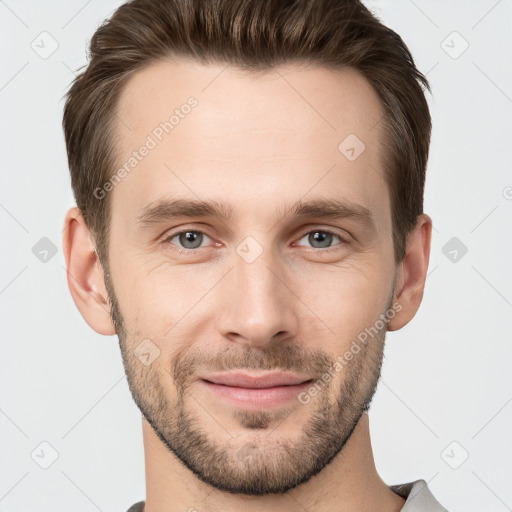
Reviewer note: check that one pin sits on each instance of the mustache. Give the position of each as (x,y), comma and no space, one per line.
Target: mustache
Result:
(285,357)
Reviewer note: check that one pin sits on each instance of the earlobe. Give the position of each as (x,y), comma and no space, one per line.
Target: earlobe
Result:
(411,275)
(85,275)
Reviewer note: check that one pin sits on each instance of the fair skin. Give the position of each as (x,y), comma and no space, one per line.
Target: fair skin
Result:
(258,145)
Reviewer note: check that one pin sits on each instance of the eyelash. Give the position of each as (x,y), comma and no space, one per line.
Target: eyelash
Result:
(182,250)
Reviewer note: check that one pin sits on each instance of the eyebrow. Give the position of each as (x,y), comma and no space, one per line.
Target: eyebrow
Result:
(168,209)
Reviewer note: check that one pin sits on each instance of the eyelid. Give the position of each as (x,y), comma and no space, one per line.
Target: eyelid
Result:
(169,235)
(344,239)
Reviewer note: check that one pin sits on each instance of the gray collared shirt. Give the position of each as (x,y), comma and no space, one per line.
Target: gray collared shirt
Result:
(418,497)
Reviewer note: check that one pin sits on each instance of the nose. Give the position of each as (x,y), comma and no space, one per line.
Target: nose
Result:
(259,303)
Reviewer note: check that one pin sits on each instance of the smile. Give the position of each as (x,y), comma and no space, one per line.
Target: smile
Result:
(255,391)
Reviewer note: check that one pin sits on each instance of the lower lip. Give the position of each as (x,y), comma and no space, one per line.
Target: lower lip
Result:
(261,398)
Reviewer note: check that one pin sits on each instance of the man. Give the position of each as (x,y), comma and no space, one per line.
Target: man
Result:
(249,181)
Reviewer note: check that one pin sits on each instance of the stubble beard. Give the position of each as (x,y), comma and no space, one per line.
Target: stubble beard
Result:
(264,461)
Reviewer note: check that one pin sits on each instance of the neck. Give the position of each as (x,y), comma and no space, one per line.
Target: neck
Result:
(350,483)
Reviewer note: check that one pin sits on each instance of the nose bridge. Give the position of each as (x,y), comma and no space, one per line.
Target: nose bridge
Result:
(260,302)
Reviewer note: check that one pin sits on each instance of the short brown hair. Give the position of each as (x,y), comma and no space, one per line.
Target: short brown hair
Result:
(254,35)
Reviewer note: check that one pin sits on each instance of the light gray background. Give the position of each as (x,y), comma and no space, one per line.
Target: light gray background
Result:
(446,388)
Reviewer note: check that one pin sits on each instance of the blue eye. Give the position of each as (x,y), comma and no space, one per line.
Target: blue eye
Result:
(321,238)
(189,239)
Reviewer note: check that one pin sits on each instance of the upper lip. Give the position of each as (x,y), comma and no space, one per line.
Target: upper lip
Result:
(256,381)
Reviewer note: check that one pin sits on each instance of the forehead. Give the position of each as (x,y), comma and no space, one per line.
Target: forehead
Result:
(281,133)
(333,101)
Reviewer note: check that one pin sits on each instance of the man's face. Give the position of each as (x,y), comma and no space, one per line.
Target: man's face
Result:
(265,290)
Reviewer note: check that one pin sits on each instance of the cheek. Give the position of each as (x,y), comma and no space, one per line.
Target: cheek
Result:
(335,301)
(344,300)
(155,296)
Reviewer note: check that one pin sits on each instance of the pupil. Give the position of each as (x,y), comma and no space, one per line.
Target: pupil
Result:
(190,237)
(322,237)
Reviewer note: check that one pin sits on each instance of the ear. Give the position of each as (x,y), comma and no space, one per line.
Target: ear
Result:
(85,274)
(411,275)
